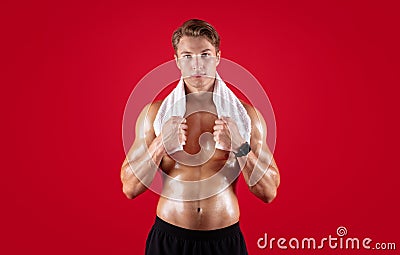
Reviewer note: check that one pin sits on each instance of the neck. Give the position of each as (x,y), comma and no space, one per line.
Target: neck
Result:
(204,88)
(202,96)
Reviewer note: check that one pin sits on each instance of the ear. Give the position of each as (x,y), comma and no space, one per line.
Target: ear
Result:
(176,61)
(218,57)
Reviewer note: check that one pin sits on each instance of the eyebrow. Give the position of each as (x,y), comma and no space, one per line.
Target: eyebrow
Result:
(189,52)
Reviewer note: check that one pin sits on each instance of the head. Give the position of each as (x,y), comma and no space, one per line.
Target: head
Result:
(196,44)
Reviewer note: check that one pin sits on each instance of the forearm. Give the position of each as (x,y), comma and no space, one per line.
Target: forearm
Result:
(260,174)
(140,167)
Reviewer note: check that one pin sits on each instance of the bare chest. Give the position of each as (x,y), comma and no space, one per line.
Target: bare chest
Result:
(200,132)
(199,152)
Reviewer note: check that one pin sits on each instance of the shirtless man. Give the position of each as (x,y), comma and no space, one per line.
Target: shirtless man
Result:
(208,224)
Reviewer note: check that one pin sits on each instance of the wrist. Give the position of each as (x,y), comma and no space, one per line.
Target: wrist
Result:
(243,150)
(236,146)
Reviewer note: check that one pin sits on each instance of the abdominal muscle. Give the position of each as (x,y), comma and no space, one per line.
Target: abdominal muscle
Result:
(217,211)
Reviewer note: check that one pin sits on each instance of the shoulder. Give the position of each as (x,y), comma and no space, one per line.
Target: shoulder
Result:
(254,114)
(152,108)
(257,120)
(148,115)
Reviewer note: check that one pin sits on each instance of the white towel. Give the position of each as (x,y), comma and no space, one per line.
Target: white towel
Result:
(226,103)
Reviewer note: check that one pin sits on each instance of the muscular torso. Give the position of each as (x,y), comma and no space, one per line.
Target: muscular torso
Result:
(199,190)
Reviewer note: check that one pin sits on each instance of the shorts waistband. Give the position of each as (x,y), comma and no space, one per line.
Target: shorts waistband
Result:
(190,234)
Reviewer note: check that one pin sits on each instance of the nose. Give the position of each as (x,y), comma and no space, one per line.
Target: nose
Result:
(197,63)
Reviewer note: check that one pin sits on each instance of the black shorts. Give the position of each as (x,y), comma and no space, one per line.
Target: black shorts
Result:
(165,238)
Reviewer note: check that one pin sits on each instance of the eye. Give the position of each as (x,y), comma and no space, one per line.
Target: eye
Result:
(187,56)
(204,55)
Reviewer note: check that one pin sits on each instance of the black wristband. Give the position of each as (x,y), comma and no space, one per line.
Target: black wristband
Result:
(243,150)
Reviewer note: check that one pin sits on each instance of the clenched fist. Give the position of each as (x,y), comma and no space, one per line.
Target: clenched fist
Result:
(174,134)
(227,135)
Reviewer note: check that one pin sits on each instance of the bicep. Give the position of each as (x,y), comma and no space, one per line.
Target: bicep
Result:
(144,134)
(259,138)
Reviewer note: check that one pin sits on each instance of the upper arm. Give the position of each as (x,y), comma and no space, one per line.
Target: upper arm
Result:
(144,131)
(258,140)
(258,136)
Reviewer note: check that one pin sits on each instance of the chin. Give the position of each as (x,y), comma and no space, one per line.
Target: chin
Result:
(199,82)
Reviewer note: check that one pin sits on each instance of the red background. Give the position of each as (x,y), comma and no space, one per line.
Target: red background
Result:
(330,70)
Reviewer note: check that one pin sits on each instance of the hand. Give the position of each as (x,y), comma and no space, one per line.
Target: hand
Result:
(174,134)
(226,134)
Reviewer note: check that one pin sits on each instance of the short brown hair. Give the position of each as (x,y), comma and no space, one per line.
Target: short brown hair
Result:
(196,28)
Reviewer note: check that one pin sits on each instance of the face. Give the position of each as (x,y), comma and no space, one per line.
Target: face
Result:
(197,59)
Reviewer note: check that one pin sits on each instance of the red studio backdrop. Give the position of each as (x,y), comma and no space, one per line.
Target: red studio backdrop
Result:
(329,68)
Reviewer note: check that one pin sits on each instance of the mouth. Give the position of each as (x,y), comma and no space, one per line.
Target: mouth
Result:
(198,76)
